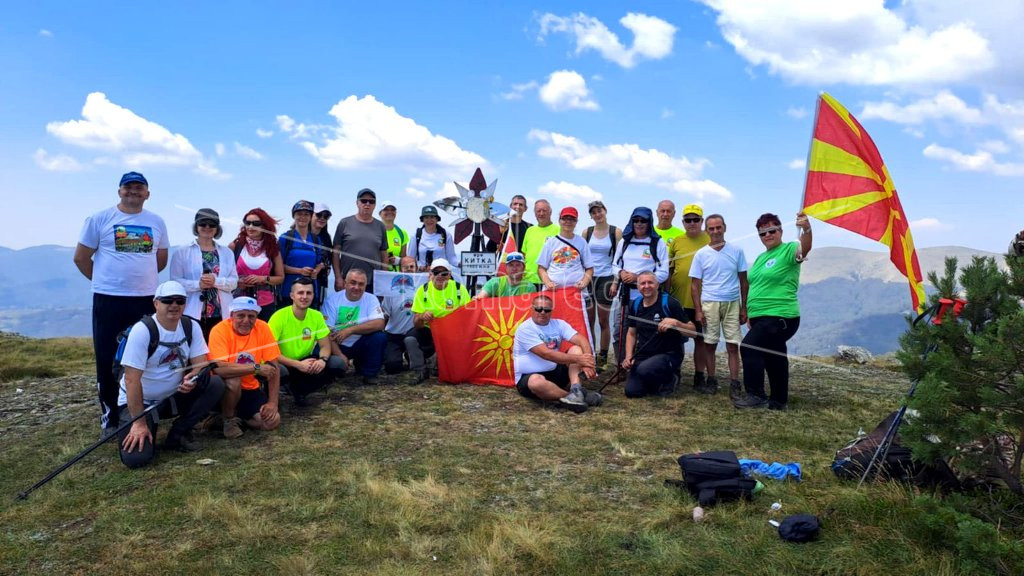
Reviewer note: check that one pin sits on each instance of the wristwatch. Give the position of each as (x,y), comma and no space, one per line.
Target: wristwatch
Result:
(256,368)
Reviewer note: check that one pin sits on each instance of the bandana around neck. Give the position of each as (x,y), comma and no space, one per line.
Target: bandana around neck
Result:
(254,247)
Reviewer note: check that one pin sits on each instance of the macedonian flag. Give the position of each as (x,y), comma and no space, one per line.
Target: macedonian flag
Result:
(474,343)
(849,186)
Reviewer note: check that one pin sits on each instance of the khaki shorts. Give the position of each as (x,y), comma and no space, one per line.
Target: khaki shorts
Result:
(721,317)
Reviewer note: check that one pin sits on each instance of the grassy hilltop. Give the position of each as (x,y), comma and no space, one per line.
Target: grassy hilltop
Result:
(441,479)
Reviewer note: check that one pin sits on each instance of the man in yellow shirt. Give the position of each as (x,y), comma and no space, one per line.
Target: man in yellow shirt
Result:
(683,248)
(439,297)
(536,236)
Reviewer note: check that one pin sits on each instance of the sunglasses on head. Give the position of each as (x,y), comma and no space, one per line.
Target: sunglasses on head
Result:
(179,300)
(206,224)
(253,223)
(367,201)
(767,231)
(692,220)
(541,310)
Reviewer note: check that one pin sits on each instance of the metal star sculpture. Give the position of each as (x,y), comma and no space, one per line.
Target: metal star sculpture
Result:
(478,214)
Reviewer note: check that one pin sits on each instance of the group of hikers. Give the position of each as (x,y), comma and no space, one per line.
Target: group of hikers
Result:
(236,324)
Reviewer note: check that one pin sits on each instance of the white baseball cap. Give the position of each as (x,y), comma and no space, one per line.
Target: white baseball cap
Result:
(440,263)
(169,288)
(244,303)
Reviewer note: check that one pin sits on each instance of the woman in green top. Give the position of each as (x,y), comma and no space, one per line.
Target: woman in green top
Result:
(773,312)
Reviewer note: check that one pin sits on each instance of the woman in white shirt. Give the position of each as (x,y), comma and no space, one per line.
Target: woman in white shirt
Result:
(431,241)
(207,271)
(602,239)
(640,250)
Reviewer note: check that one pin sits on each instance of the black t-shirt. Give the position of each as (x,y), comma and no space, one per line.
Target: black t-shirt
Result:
(646,324)
(517,229)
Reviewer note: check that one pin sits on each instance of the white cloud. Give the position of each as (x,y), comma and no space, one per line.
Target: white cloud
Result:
(45,33)
(631,163)
(667,113)
(371,135)
(420,182)
(567,90)
(836,41)
(246,152)
(944,105)
(797,164)
(979,161)
(928,224)
(58,163)
(798,113)
(519,90)
(652,37)
(415,192)
(112,129)
(264,133)
(994,146)
(219,148)
(568,191)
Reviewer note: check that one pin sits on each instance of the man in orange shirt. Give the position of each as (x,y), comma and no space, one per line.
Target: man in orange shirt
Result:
(246,352)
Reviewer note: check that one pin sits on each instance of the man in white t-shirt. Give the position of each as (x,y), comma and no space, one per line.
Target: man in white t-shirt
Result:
(170,374)
(357,326)
(565,259)
(121,250)
(718,284)
(399,328)
(545,373)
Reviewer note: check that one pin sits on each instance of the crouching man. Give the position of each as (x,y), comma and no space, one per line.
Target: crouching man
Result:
(542,371)
(169,375)
(654,342)
(305,363)
(356,321)
(246,354)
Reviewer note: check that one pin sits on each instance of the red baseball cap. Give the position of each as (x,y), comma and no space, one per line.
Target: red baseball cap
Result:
(568,211)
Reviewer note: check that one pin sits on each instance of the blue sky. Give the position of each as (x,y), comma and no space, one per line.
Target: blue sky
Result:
(232,105)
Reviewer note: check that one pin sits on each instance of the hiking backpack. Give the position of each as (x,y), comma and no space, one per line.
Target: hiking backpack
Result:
(154,340)
(440,230)
(653,243)
(635,305)
(611,234)
(715,476)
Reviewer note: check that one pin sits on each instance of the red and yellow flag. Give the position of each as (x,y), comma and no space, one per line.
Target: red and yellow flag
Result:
(849,186)
(474,343)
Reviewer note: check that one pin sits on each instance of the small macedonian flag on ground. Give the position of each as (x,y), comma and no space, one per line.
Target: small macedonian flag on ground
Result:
(849,186)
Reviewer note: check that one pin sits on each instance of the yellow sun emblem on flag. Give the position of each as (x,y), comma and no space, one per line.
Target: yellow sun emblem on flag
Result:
(496,348)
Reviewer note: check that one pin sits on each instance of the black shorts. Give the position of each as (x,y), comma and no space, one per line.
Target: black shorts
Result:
(600,290)
(559,375)
(250,403)
(691,314)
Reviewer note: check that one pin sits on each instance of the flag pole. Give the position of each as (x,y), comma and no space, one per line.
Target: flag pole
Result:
(810,146)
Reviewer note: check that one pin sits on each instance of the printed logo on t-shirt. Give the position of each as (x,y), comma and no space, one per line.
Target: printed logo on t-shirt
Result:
(407,308)
(133,239)
(173,359)
(307,334)
(657,317)
(769,263)
(647,254)
(347,316)
(245,358)
(397,241)
(449,304)
(402,283)
(563,255)
(553,343)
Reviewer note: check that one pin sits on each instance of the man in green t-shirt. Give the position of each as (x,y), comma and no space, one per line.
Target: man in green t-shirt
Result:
(536,236)
(306,364)
(512,283)
(666,213)
(398,239)
(439,297)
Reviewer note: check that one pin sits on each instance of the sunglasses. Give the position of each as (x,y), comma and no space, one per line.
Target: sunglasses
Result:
(638,221)
(324,216)
(767,231)
(441,272)
(539,310)
(573,218)
(367,201)
(206,224)
(179,300)
(692,220)
(253,223)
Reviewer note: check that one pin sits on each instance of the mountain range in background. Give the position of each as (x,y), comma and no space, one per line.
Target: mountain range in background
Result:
(847,296)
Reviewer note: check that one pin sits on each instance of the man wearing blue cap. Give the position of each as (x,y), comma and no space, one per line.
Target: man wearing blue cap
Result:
(121,250)
(512,284)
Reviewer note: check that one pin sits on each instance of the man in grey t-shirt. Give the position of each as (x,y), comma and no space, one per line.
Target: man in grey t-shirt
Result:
(360,241)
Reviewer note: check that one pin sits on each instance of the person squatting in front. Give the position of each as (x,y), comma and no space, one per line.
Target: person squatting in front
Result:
(356,320)
(657,325)
(439,297)
(640,250)
(169,377)
(401,335)
(306,363)
(542,371)
(246,353)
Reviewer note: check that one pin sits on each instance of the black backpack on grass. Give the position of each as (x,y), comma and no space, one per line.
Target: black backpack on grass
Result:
(715,476)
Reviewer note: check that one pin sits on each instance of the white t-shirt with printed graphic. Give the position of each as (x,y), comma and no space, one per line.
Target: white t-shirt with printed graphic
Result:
(162,372)
(340,313)
(565,265)
(530,334)
(399,312)
(126,244)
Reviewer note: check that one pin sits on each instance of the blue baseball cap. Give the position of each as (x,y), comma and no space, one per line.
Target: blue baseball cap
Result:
(132,177)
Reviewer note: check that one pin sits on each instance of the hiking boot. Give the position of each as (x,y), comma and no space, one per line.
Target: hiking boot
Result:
(302,401)
(575,400)
(423,376)
(602,358)
(735,390)
(780,406)
(712,386)
(209,424)
(698,381)
(233,428)
(182,442)
(370,381)
(751,401)
(592,397)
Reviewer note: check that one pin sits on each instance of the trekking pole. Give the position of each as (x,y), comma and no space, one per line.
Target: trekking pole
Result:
(619,370)
(100,442)
(882,451)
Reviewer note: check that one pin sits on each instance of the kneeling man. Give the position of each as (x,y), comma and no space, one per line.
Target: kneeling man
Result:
(306,363)
(246,353)
(357,325)
(171,373)
(545,373)
(654,342)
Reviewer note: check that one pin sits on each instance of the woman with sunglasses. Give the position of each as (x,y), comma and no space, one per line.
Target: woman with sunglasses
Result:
(300,252)
(206,270)
(640,250)
(431,241)
(773,312)
(258,260)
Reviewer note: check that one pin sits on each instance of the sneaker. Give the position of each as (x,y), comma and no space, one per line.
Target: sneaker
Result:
(751,401)
(602,358)
(712,385)
(182,443)
(592,398)
(735,390)
(370,381)
(423,376)
(212,422)
(698,381)
(575,400)
(107,432)
(233,428)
